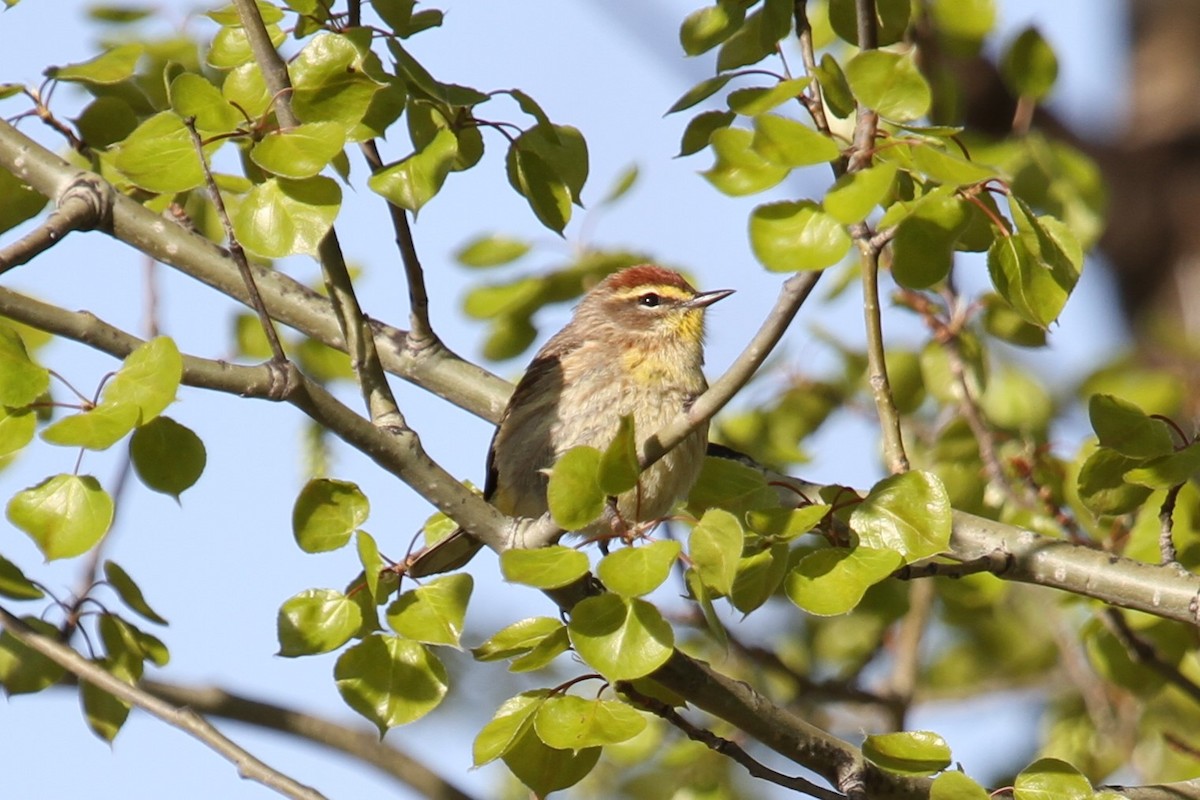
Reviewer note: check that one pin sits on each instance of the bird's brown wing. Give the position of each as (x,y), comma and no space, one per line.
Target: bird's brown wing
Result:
(536,393)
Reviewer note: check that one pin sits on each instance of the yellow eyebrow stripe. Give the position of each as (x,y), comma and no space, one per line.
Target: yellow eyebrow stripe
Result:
(662,290)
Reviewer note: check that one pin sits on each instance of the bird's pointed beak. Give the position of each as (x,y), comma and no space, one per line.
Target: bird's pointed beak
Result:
(706,299)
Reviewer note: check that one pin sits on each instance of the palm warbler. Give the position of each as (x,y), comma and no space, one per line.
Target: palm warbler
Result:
(635,346)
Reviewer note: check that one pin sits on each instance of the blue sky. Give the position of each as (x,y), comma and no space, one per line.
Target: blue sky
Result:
(219,566)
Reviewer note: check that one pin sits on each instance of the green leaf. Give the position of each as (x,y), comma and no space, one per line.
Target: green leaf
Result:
(1102,485)
(707,27)
(1029,65)
(245,87)
(635,571)
(17,426)
(192,95)
(413,182)
(700,129)
(738,169)
(1167,471)
(757,37)
(1001,321)
(964,23)
(543,653)
(160,156)
(124,642)
(1051,779)
(148,378)
(513,719)
(833,581)
(491,250)
(433,612)
(923,246)
(21,380)
(316,621)
(835,89)
(97,429)
(231,46)
(702,91)
(715,546)
(568,722)
(789,236)
(1124,427)
(728,484)
(758,576)
(956,786)
(299,152)
(14,584)
(891,20)
(855,194)
(561,148)
(908,513)
(21,202)
(785,524)
(112,66)
(889,83)
(756,100)
(1035,269)
(280,217)
(546,192)
(129,592)
(622,638)
(949,169)
(545,567)
(545,769)
(390,681)
(24,670)
(326,513)
(618,470)
(372,563)
(788,143)
(105,714)
(621,186)
(168,457)
(573,493)
(908,752)
(517,639)
(65,515)
(330,84)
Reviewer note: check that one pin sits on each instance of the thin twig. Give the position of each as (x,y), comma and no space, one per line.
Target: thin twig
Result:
(1143,652)
(1166,521)
(421,333)
(360,743)
(184,719)
(726,747)
(360,343)
(792,295)
(815,102)
(235,247)
(877,377)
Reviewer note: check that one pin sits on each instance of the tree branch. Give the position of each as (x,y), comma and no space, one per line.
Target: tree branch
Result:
(398,452)
(1142,652)
(726,747)
(359,743)
(82,205)
(360,343)
(184,719)
(437,369)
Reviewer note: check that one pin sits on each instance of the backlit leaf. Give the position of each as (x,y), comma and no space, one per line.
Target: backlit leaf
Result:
(65,515)
(621,638)
(390,681)
(326,513)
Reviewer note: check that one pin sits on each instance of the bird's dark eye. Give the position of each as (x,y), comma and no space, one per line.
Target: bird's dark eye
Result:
(649,300)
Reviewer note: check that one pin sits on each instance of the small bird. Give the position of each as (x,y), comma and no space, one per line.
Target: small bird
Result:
(635,346)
